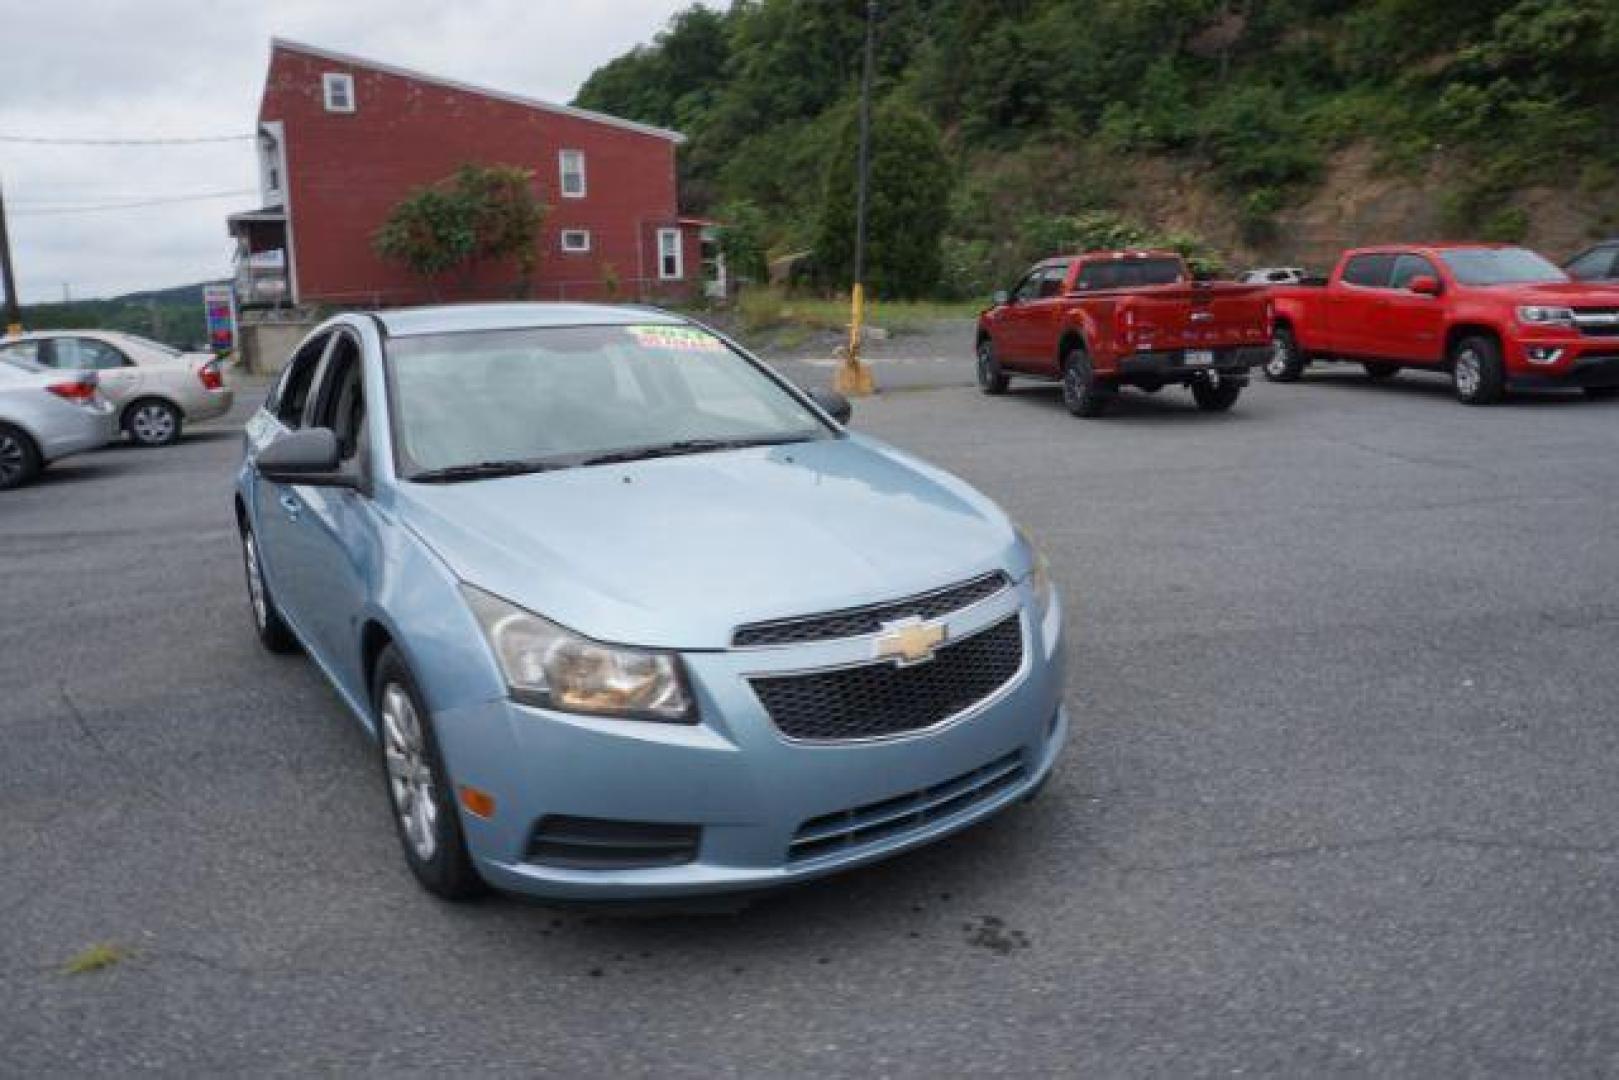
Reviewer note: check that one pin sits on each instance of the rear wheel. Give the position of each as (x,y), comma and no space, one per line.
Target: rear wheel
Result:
(991,379)
(419,786)
(1216,396)
(1378,372)
(1084,393)
(151,422)
(1286,363)
(19,458)
(1476,371)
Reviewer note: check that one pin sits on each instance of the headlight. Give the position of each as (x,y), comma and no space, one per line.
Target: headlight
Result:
(1537,315)
(545,664)
(1039,573)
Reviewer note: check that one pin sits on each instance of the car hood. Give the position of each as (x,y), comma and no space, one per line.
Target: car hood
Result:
(1566,293)
(677,552)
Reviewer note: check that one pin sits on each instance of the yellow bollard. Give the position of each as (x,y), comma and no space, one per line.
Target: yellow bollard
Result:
(853,378)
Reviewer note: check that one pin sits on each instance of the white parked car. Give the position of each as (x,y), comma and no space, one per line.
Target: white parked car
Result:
(1275,275)
(47,415)
(156,389)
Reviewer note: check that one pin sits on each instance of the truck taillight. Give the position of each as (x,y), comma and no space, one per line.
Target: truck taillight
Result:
(79,391)
(1127,326)
(209,374)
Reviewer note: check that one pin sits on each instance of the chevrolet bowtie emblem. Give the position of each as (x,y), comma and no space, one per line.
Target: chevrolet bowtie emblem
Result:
(909,641)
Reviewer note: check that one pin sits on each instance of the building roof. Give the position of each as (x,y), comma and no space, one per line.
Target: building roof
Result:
(502,95)
(457,318)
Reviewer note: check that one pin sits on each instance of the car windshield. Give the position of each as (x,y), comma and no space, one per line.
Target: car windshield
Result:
(486,403)
(1500,266)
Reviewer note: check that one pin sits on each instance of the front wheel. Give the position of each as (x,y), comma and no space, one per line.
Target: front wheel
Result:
(991,378)
(19,458)
(153,423)
(1476,371)
(1216,396)
(419,787)
(1082,392)
(274,634)
(1286,363)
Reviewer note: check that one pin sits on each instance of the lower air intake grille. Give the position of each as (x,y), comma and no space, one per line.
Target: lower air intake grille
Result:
(866,824)
(879,699)
(577,843)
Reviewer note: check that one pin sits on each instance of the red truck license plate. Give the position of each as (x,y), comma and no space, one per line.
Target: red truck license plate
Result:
(1198,357)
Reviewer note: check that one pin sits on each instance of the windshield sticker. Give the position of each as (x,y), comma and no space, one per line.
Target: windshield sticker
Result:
(678,338)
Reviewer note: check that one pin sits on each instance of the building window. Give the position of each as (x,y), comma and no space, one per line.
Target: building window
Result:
(575,240)
(670,257)
(572,165)
(339,91)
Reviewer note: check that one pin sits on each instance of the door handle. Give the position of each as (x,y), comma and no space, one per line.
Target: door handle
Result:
(291,505)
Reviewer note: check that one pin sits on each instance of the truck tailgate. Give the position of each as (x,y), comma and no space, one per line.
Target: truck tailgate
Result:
(1198,316)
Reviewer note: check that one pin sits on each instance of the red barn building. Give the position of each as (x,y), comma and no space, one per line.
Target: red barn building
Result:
(342,140)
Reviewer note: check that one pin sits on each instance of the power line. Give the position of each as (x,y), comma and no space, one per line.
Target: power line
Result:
(97,207)
(42,140)
(117,198)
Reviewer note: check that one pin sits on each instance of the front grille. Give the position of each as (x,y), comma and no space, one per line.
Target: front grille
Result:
(577,843)
(879,699)
(856,622)
(1597,322)
(866,824)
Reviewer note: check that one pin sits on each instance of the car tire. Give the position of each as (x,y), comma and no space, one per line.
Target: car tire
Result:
(1378,372)
(274,634)
(1286,363)
(153,422)
(420,792)
(992,379)
(1476,371)
(1082,392)
(1602,393)
(20,462)
(1216,396)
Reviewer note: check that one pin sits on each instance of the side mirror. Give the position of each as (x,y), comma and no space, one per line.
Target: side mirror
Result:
(1000,298)
(1424,285)
(833,404)
(308,456)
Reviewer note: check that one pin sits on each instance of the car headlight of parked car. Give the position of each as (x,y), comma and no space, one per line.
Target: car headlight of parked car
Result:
(547,665)
(1039,573)
(1540,315)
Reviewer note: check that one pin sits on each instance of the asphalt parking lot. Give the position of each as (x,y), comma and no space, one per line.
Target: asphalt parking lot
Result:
(1341,796)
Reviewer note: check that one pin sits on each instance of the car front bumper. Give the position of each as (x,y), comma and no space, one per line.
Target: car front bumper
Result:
(1580,365)
(744,789)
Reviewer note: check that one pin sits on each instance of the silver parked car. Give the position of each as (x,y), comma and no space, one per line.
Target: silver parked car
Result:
(155,389)
(47,415)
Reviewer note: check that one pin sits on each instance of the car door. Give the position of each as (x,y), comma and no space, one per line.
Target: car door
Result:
(1011,329)
(277,510)
(1042,321)
(1412,328)
(1357,308)
(331,531)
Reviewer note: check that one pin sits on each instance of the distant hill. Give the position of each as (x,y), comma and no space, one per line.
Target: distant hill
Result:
(172,315)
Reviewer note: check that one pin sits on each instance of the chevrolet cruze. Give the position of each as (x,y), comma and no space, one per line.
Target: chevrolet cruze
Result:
(631,617)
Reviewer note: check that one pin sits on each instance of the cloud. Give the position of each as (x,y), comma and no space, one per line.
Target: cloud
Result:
(182,68)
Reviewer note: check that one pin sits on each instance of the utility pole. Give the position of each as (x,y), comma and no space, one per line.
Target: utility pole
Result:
(7,278)
(854,375)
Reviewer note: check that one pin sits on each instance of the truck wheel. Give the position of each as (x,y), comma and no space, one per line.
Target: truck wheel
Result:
(1082,391)
(991,379)
(1379,372)
(1286,363)
(1476,372)
(1216,396)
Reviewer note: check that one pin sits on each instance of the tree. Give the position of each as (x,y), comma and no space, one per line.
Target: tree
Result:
(907,206)
(484,213)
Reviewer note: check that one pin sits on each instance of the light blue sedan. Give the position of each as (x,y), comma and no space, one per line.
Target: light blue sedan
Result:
(631,617)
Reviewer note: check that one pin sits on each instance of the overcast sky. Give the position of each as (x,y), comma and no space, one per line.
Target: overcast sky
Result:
(184,68)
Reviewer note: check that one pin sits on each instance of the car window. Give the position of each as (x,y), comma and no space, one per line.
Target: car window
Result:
(1051,281)
(340,402)
(1408,267)
(1029,287)
(1594,265)
(1129,273)
(1369,271)
(21,350)
(83,354)
(291,394)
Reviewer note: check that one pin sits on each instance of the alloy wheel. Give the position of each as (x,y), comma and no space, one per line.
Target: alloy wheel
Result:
(1280,357)
(255,581)
(1469,372)
(152,424)
(410,777)
(11,459)
(986,358)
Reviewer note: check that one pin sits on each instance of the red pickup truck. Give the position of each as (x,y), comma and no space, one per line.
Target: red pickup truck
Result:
(1494,316)
(1104,320)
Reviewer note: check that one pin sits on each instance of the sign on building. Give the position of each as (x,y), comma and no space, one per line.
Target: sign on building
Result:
(219,302)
